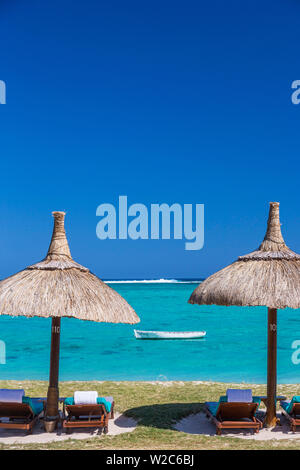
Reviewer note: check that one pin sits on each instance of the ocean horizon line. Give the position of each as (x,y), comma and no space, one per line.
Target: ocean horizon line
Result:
(154,281)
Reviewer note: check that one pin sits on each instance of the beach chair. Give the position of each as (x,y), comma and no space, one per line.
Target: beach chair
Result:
(291,410)
(87,410)
(236,410)
(18,411)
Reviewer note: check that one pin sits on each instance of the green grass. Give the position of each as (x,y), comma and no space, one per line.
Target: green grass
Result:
(156,407)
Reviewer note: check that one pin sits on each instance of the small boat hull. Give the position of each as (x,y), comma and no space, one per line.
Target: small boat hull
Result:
(140,334)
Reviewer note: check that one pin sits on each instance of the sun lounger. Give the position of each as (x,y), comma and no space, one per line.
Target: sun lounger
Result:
(291,410)
(230,413)
(91,415)
(20,414)
(85,416)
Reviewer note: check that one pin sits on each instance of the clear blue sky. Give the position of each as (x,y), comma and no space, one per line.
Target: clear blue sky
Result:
(162,101)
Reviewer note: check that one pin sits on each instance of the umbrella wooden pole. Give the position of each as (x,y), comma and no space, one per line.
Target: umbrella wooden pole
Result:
(52,413)
(270,420)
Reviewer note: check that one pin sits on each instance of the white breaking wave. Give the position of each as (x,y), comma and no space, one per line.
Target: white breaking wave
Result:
(153,281)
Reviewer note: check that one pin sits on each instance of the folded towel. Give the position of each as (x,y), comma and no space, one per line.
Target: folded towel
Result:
(85,398)
(109,399)
(14,396)
(105,402)
(285,404)
(212,406)
(288,405)
(244,396)
(35,404)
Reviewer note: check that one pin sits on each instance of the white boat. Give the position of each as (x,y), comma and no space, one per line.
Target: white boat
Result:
(139,334)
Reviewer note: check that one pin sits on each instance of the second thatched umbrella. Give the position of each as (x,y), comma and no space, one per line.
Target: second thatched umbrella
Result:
(269,276)
(59,287)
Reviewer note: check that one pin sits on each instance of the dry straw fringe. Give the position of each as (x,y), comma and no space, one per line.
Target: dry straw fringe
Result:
(269,276)
(60,287)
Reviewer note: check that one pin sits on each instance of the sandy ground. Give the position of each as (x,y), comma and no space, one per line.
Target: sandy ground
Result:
(200,424)
(119,425)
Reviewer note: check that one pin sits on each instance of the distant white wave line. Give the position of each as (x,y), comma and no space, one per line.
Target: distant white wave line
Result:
(152,281)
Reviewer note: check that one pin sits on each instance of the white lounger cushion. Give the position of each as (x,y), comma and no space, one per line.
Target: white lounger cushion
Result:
(11,396)
(236,395)
(85,398)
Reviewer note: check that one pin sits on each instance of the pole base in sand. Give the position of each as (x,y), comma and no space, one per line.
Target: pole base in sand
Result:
(52,413)
(50,426)
(271,422)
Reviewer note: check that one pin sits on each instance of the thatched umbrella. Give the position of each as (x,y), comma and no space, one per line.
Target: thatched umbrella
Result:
(59,287)
(269,276)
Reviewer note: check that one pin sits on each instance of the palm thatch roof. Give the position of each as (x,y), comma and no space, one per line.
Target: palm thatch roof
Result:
(60,287)
(269,276)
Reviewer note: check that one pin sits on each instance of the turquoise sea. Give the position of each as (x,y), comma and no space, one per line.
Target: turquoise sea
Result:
(233,350)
